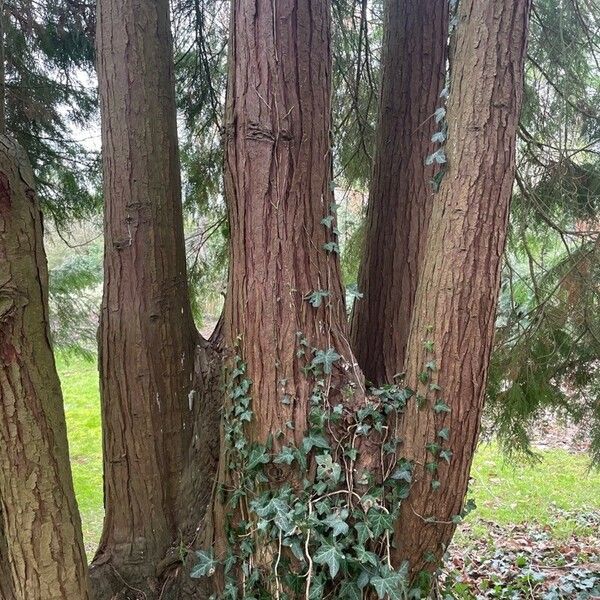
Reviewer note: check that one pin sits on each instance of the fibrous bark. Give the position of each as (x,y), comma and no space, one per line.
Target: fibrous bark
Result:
(148,340)
(283,244)
(43,545)
(453,324)
(401,194)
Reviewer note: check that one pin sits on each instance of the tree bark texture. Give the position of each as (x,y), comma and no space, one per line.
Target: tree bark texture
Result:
(401,195)
(453,325)
(43,545)
(278,173)
(148,340)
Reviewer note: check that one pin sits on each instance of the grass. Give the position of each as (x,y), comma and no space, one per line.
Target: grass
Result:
(505,494)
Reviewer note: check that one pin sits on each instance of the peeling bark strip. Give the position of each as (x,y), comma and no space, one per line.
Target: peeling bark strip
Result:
(401,196)
(456,299)
(147,335)
(43,545)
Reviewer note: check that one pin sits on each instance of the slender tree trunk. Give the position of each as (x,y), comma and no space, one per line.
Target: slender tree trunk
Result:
(453,325)
(40,518)
(401,195)
(147,337)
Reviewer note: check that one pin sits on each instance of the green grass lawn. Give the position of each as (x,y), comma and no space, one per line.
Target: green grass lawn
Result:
(503,493)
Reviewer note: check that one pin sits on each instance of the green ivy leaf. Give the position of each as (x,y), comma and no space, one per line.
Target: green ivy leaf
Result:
(258,456)
(365,557)
(206,565)
(332,247)
(329,554)
(350,591)
(314,440)
(379,521)
(326,358)
(278,511)
(327,221)
(390,584)
(444,433)
(316,298)
(287,455)
(337,522)
(441,407)
(446,455)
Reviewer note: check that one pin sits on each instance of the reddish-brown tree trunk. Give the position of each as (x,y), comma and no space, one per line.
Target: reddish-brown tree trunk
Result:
(43,548)
(147,336)
(453,325)
(401,195)
(283,247)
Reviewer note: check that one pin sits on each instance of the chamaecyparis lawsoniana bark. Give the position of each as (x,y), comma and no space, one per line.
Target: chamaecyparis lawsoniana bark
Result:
(401,194)
(453,324)
(43,543)
(147,336)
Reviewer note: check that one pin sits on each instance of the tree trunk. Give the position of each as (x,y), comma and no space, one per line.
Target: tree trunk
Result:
(147,336)
(401,195)
(44,544)
(453,325)
(283,245)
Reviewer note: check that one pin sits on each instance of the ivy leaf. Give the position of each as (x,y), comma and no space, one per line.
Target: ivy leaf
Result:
(438,157)
(441,407)
(439,114)
(327,221)
(206,565)
(327,469)
(278,511)
(316,298)
(337,522)
(332,247)
(258,456)
(363,531)
(326,358)
(352,291)
(446,455)
(444,433)
(390,584)
(403,472)
(317,588)
(438,137)
(435,485)
(366,557)
(314,440)
(379,521)
(350,591)
(285,456)
(329,554)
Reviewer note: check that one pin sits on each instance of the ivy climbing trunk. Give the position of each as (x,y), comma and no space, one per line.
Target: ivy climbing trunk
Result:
(401,194)
(147,336)
(453,325)
(43,547)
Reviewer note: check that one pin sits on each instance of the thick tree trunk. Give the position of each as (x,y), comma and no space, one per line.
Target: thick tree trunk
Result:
(401,195)
(147,337)
(283,247)
(453,325)
(44,543)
